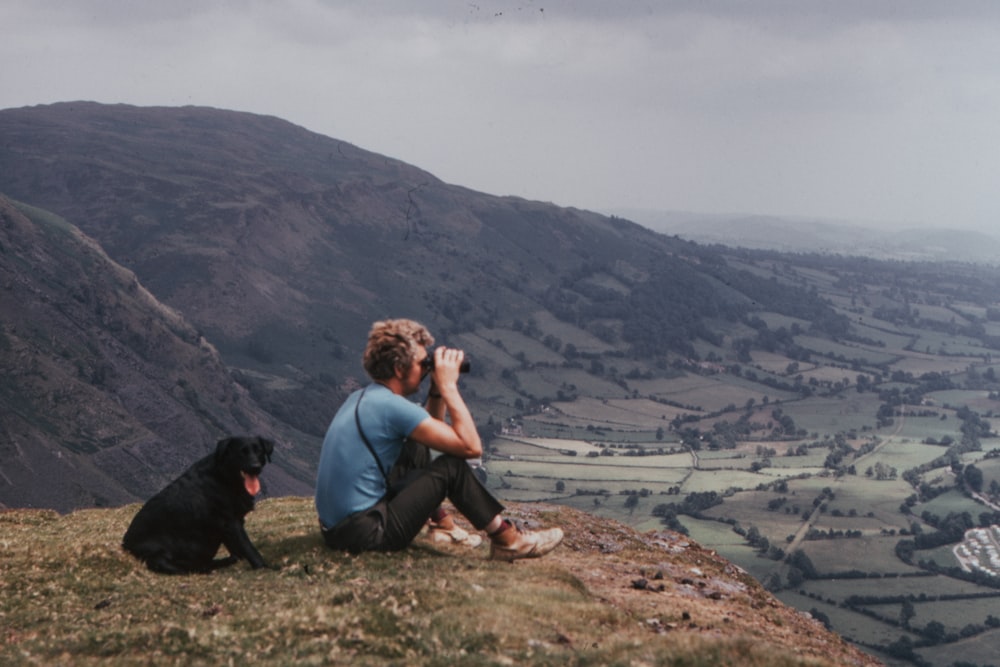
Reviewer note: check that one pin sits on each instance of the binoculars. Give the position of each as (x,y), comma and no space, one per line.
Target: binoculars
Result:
(428,364)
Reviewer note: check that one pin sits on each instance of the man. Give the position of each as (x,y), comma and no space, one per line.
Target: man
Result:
(357,509)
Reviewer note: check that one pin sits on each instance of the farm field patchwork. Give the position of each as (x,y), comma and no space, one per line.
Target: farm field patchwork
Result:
(629,414)
(591,471)
(813,461)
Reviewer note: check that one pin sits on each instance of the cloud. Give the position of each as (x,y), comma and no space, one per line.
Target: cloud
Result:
(847,109)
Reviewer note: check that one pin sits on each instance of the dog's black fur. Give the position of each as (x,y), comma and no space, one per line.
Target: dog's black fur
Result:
(180,529)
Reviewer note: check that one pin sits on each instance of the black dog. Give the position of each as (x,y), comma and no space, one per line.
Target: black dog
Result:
(180,529)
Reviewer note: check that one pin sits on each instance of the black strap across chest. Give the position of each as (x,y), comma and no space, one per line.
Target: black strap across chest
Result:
(368,444)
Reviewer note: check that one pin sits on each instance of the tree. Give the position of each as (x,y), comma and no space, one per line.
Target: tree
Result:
(906,613)
(901,648)
(821,617)
(934,632)
(973,477)
(800,561)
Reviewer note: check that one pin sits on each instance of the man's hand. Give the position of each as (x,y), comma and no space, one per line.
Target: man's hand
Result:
(446,368)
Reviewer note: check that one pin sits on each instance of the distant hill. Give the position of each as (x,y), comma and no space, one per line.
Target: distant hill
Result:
(802,235)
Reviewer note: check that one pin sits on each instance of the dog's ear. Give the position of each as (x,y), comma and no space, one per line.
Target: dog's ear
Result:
(268,448)
(221,448)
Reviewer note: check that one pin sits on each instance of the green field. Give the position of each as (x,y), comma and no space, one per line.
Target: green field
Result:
(978,650)
(850,624)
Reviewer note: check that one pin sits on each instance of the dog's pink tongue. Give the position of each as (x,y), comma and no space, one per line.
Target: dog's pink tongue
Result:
(252,483)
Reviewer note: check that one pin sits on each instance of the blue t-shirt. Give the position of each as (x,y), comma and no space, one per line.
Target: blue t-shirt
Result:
(348,479)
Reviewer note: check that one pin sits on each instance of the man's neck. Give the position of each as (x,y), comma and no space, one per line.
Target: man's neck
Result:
(392,384)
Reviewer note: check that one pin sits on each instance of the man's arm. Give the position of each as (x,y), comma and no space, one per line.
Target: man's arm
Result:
(460,438)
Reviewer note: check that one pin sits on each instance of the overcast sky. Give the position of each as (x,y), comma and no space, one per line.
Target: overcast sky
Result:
(854,110)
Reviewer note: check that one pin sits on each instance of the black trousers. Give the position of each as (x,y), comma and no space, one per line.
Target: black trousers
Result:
(393,522)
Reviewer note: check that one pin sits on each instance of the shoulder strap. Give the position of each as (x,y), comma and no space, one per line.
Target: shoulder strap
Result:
(368,444)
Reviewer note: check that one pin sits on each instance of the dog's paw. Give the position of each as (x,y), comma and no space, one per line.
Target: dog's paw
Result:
(265,566)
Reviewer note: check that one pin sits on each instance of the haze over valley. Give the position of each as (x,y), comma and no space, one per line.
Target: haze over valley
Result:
(813,235)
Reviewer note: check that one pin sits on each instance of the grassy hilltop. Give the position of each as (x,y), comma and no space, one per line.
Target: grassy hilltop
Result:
(609,595)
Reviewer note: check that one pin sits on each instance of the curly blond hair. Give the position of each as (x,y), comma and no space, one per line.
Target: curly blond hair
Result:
(393,344)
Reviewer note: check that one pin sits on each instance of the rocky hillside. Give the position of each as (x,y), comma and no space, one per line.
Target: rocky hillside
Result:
(106,392)
(606,596)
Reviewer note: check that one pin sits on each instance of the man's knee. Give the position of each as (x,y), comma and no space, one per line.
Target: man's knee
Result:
(450,464)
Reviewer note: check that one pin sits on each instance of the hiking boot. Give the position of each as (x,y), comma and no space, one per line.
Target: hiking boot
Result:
(456,535)
(524,544)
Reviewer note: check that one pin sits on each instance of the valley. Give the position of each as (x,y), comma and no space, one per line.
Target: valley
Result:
(834,471)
